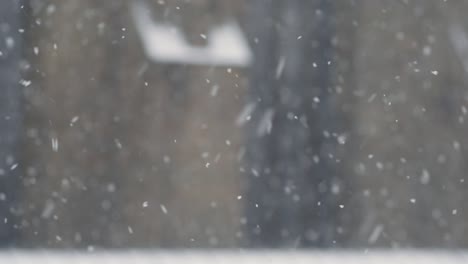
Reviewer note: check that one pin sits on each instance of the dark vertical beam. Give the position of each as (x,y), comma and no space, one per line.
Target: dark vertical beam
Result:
(319,206)
(10,114)
(261,198)
(288,188)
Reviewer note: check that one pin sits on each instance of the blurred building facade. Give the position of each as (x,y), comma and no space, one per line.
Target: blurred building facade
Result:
(119,151)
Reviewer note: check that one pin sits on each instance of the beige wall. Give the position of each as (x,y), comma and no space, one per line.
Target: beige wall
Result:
(140,134)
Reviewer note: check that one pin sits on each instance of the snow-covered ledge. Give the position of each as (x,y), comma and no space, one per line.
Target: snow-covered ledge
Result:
(235,257)
(164,43)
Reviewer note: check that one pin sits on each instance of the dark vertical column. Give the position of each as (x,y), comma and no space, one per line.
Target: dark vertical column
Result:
(319,207)
(261,197)
(289,172)
(10,114)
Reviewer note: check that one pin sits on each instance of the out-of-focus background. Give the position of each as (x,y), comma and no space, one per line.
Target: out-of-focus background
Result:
(343,125)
